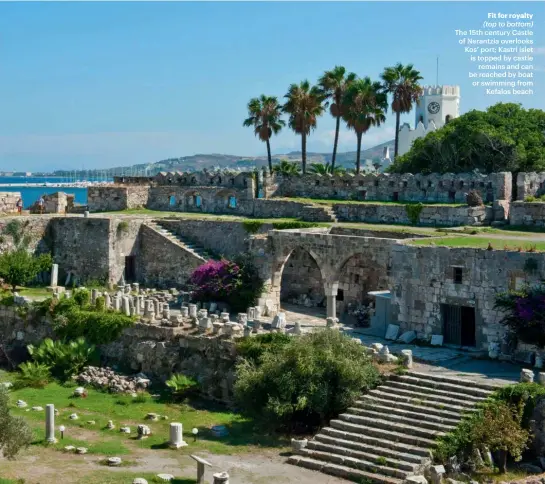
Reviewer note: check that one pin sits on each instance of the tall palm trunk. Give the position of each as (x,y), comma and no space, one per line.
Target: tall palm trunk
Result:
(269,155)
(304,151)
(358,153)
(334,156)
(396,148)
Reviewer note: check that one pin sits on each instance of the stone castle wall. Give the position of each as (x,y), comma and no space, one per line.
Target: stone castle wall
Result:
(445,188)
(8,201)
(531,214)
(530,185)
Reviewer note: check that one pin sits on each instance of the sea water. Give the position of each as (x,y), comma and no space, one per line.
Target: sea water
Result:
(32,193)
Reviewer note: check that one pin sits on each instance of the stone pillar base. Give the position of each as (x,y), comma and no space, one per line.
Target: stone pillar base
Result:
(178,445)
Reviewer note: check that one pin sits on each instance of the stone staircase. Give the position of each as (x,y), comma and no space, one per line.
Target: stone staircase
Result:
(390,433)
(318,213)
(195,249)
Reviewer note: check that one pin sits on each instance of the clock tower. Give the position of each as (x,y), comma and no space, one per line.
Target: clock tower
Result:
(438,104)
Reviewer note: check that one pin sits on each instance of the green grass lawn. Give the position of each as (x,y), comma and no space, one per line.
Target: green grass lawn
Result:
(124,410)
(481,243)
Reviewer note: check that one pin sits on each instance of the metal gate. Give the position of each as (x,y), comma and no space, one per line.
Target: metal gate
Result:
(452,324)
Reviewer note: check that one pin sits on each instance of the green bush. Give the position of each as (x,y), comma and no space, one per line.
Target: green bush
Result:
(181,385)
(525,394)
(295,224)
(82,297)
(18,267)
(252,226)
(100,303)
(306,382)
(32,374)
(413,212)
(63,359)
(253,348)
(16,434)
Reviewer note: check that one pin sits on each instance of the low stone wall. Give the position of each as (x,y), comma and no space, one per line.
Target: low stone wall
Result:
(385,234)
(527,213)
(530,184)
(107,198)
(431,215)
(8,201)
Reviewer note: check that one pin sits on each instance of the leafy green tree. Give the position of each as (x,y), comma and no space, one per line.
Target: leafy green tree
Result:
(334,84)
(304,105)
(305,382)
(264,114)
(19,267)
(402,82)
(286,168)
(365,105)
(16,434)
(505,137)
(325,169)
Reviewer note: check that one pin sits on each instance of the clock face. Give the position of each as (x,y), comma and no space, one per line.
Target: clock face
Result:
(434,107)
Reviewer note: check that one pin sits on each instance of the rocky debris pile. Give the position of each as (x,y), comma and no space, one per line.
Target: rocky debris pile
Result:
(106,378)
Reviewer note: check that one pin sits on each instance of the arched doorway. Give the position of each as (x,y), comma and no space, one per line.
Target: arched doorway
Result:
(357,276)
(301,282)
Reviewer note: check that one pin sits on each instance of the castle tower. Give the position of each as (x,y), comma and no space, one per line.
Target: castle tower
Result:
(436,107)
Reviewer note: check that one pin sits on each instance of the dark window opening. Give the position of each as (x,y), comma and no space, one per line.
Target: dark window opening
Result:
(451,196)
(340,295)
(461,184)
(376,183)
(395,197)
(405,184)
(418,184)
(472,184)
(363,195)
(232,181)
(489,196)
(317,183)
(130,268)
(430,184)
(457,275)
(356,279)
(360,183)
(447,118)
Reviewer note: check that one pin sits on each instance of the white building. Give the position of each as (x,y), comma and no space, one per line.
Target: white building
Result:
(436,107)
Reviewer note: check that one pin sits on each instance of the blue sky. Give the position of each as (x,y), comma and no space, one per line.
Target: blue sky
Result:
(108,84)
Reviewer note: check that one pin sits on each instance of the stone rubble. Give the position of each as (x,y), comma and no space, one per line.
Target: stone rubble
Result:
(107,379)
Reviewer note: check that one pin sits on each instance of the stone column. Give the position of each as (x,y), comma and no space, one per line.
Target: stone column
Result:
(184,312)
(94,295)
(330,290)
(54,275)
(107,301)
(176,436)
(126,306)
(50,423)
(221,478)
(407,358)
(192,310)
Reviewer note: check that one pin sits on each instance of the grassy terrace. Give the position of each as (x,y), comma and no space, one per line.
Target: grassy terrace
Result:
(498,243)
(324,201)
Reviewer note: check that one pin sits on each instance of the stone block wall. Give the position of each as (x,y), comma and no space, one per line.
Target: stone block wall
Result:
(432,215)
(447,188)
(162,263)
(8,201)
(424,278)
(530,184)
(107,198)
(531,214)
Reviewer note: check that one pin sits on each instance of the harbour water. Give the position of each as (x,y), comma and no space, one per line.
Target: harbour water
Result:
(32,188)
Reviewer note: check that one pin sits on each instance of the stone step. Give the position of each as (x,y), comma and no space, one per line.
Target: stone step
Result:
(455,381)
(370,454)
(443,386)
(385,445)
(385,404)
(401,388)
(382,422)
(419,399)
(397,435)
(341,471)
(355,463)
(420,419)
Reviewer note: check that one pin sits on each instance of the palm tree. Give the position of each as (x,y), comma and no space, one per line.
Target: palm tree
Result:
(365,105)
(333,85)
(264,115)
(286,168)
(327,169)
(304,105)
(402,83)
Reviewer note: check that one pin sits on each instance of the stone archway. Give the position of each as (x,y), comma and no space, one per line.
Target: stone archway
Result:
(301,281)
(357,276)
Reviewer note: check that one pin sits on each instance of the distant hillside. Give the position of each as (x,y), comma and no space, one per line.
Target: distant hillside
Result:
(200,161)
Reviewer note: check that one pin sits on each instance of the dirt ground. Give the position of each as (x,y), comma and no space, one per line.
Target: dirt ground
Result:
(40,465)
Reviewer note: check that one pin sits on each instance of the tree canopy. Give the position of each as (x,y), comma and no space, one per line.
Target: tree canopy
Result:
(505,137)
(18,267)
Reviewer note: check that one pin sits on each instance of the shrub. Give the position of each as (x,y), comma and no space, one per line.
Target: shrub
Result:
(181,385)
(413,212)
(82,297)
(473,199)
(235,282)
(35,375)
(100,303)
(18,267)
(253,348)
(252,226)
(295,224)
(524,313)
(63,359)
(306,382)
(525,394)
(16,434)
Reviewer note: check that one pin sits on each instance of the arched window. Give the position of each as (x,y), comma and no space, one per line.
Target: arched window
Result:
(172,201)
(197,201)
(232,202)
(447,118)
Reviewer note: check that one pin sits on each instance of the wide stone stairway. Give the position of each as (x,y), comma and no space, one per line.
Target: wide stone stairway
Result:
(390,433)
(183,242)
